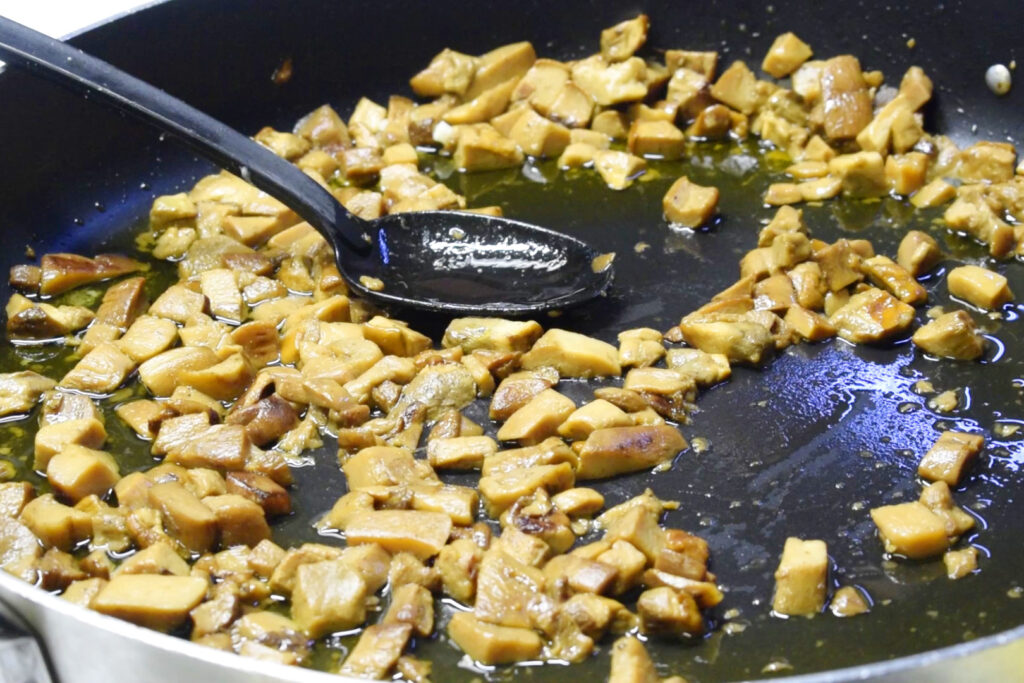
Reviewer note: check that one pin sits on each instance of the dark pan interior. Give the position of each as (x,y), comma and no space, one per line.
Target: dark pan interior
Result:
(804,447)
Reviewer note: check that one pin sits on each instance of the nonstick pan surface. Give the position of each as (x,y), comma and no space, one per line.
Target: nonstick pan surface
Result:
(804,447)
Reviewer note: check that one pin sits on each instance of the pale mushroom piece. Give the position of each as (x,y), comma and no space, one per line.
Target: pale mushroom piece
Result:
(689,204)
(800,580)
(979,286)
(948,457)
(618,169)
(786,55)
(951,335)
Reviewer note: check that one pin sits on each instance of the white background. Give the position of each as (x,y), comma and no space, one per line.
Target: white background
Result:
(58,18)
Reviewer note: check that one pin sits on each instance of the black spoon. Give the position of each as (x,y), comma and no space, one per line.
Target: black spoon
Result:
(438,260)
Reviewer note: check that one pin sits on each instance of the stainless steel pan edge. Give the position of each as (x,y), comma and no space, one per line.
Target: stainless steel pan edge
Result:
(87,646)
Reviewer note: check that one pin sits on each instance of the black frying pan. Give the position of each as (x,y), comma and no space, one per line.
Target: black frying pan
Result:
(804,447)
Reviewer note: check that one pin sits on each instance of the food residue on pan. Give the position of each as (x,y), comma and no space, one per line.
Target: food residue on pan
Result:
(256,353)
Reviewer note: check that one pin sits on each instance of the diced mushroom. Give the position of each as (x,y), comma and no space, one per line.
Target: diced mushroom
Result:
(101,371)
(658,139)
(846,97)
(689,204)
(421,533)
(611,451)
(161,373)
(328,596)
(185,517)
(19,549)
(739,339)
(158,602)
(611,83)
(979,286)
(61,272)
(52,439)
(239,520)
(482,148)
(737,87)
(872,316)
(949,456)
(910,529)
(19,391)
(631,663)
(785,55)
(377,651)
(414,605)
(665,611)
(463,452)
(147,337)
(918,252)
(538,419)
(549,452)
(987,161)
(960,563)
(618,169)
(438,388)
(951,335)
(29,320)
(848,601)
(573,355)
(77,472)
(159,558)
(800,579)
(884,272)
(495,334)
(517,389)
(493,644)
(219,447)
(935,193)
(56,525)
(598,414)
(501,489)
(619,42)
(260,489)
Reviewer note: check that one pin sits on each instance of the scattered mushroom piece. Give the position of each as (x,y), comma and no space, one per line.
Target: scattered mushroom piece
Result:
(800,580)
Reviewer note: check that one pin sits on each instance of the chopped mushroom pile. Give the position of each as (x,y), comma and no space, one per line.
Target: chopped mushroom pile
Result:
(257,353)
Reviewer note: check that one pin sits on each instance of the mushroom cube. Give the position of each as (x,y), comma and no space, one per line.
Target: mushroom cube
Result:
(77,472)
(689,204)
(800,580)
(154,601)
(619,42)
(666,611)
(491,644)
(785,55)
(618,169)
(573,355)
(979,286)
(872,316)
(660,139)
(53,438)
(328,596)
(918,252)
(184,516)
(420,533)
(494,334)
(951,335)
(947,458)
(101,371)
(240,521)
(911,529)
(538,419)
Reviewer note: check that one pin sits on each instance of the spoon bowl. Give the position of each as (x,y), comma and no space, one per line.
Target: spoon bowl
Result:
(442,261)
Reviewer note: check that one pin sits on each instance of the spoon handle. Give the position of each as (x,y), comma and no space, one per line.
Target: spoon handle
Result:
(214,140)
